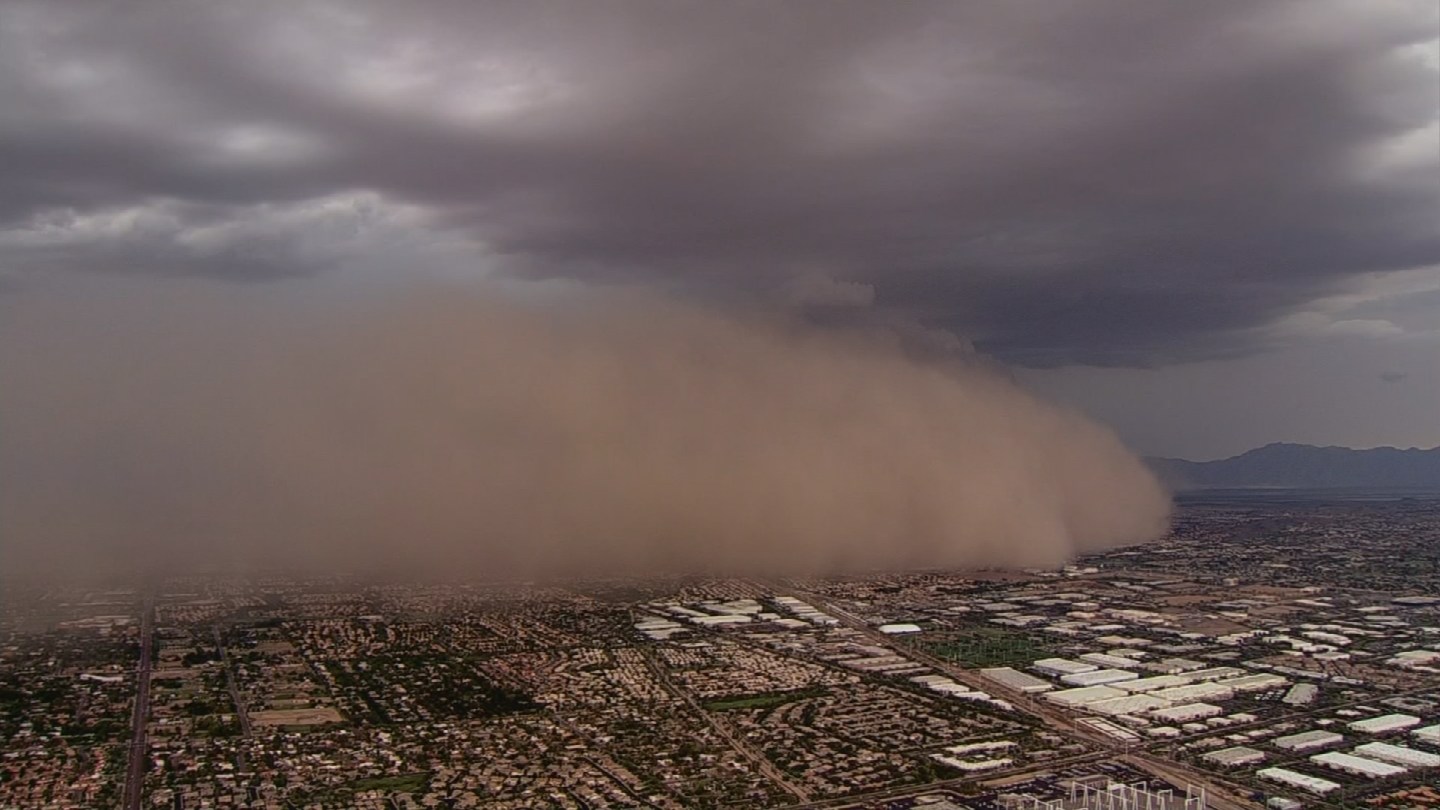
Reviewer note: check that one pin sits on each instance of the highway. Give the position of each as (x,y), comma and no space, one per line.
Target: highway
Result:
(135,773)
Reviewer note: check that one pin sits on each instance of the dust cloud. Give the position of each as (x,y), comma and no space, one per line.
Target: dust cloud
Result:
(469,431)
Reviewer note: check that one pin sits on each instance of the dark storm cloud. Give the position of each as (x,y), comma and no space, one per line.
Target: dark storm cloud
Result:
(1119,183)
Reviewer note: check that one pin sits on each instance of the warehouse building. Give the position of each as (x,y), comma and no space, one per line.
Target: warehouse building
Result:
(1187,713)
(1099,677)
(1017,680)
(1129,704)
(1253,683)
(1398,754)
(1080,697)
(1385,724)
(1301,694)
(1107,660)
(1307,740)
(1057,667)
(1357,766)
(1295,779)
(1194,692)
(1153,683)
(1428,734)
(1235,757)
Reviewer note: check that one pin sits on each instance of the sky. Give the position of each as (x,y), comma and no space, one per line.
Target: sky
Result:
(1208,225)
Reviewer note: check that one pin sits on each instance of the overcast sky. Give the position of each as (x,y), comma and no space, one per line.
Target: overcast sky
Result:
(1210,224)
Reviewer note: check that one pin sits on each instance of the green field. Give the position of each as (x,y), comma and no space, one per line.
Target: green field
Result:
(987,647)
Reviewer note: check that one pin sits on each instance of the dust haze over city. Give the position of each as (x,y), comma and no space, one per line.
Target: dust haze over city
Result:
(456,429)
(720,405)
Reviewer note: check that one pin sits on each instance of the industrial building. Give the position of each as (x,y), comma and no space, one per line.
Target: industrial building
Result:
(1235,757)
(1399,754)
(1187,713)
(1107,660)
(1357,766)
(1058,667)
(1307,740)
(1128,704)
(1195,692)
(1295,779)
(1428,734)
(1015,679)
(1153,683)
(1301,694)
(1099,677)
(1385,723)
(1080,697)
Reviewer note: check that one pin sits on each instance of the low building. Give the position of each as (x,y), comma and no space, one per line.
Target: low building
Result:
(1017,680)
(1187,713)
(1061,666)
(1307,740)
(1399,755)
(1357,766)
(1385,724)
(1295,779)
(1428,734)
(1301,694)
(1099,677)
(1080,697)
(1235,757)
(899,629)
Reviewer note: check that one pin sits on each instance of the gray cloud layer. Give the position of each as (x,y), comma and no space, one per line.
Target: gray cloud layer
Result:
(469,432)
(1121,183)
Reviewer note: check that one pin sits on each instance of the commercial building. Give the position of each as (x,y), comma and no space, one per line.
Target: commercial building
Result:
(1357,766)
(1399,754)
(1099,677)
(1107,660)
(1295,779)
(1194,692)
(1153,683)
(1307,740)
(1301,694)
(1187,713)
(1080,697)
(1385,723)
(1235,757)
(1061,666)
(899,629)
(1428,734)
(1129,704)
(1015,679)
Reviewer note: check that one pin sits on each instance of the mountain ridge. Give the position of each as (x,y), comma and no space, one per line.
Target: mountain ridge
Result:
(1287,465)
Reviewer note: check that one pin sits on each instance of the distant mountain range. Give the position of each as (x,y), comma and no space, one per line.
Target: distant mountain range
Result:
(1304,466)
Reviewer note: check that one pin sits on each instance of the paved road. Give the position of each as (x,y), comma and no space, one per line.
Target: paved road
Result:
(244,716)
(135,775)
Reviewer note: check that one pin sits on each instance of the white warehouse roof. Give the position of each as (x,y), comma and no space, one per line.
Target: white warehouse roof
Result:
(1295,779)
(1429,734)
(1357,766)
(1306,740)
(1399,754)
(1062,666)
(1088,694)
(1187,712)
(1015,679)
(897,629)
(1099,677)
(1384,723)
(1239,755)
